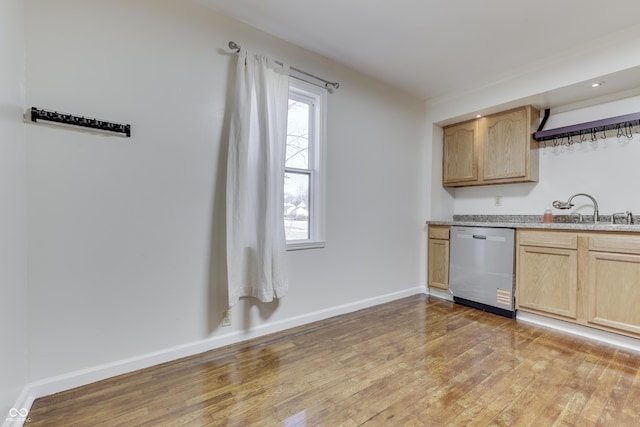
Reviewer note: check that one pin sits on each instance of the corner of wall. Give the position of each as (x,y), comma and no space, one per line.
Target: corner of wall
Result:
(13,226)
(441,201)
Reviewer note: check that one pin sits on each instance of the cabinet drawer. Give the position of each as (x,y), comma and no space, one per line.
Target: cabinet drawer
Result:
(611,243)
(439,232)
(548,239)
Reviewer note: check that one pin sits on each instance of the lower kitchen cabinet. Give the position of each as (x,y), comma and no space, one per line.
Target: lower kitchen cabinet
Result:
(548,280)
(438,254)
(613,283)
(592,279)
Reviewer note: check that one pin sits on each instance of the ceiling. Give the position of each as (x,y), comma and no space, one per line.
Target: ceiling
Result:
(433,48)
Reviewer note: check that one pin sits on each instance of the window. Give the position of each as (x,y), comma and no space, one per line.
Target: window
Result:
(304,167)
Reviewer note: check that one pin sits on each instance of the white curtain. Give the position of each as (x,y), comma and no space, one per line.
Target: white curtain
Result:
(256,243)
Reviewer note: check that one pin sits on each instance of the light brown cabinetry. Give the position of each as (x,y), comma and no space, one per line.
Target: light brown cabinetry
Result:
(496,149)
(613,282)
(438,254)
(460,154)
(548,280)
(592,279)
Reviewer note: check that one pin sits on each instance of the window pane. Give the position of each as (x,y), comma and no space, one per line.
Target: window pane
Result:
(298,135)
(296,206)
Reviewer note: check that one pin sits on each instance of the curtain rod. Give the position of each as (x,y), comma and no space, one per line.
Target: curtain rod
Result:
(234,46)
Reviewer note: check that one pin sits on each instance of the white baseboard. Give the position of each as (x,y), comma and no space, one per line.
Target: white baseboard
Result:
(579,330)
(81,377)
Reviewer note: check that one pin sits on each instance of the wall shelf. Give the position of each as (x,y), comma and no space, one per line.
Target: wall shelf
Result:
(622,124)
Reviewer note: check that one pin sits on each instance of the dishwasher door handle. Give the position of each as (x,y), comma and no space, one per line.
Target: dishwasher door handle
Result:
(480,236)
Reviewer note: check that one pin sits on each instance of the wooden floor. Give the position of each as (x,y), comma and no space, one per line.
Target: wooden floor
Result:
(412,362)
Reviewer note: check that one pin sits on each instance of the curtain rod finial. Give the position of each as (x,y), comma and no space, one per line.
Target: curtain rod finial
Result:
(234,46)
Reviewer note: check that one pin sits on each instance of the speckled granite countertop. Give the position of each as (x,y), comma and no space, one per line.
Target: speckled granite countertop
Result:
(560,222)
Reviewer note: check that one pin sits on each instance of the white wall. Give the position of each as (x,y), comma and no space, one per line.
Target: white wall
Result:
(13,233)
(601,171)
(126,235)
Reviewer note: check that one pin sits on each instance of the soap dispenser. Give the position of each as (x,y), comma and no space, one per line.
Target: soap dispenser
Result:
(548,216)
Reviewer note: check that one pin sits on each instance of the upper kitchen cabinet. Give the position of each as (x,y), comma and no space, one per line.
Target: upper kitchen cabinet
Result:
(496,149)
(510,153)
(460,154)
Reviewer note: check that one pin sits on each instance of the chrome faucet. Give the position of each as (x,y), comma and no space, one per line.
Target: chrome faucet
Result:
(568,205)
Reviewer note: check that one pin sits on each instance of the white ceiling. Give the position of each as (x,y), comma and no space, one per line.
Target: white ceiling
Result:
(433,48)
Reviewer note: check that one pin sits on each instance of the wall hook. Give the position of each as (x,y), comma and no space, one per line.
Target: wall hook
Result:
(69,119)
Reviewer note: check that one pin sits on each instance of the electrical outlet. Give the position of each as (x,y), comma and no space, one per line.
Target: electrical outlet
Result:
(226,318)
(498,201)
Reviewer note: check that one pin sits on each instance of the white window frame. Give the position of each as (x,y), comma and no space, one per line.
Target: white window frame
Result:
(317,98)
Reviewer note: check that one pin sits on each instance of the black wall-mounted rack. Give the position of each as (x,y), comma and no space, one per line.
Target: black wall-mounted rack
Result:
(623,124)
(69,119)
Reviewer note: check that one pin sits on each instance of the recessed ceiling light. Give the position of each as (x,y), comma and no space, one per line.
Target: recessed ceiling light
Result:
(478,116)
(598,84)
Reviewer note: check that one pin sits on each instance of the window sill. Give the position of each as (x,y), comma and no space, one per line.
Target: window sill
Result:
(298,246)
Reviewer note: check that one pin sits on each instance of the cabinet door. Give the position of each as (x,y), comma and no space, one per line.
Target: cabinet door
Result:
(438,264)
(613,292)
(506,146)
(547,280)
(459,156)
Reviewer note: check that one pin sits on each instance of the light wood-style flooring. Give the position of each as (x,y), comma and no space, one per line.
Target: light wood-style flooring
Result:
(418,361)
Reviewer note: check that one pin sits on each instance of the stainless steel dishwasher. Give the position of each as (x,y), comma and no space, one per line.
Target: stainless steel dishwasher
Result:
(481,268)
